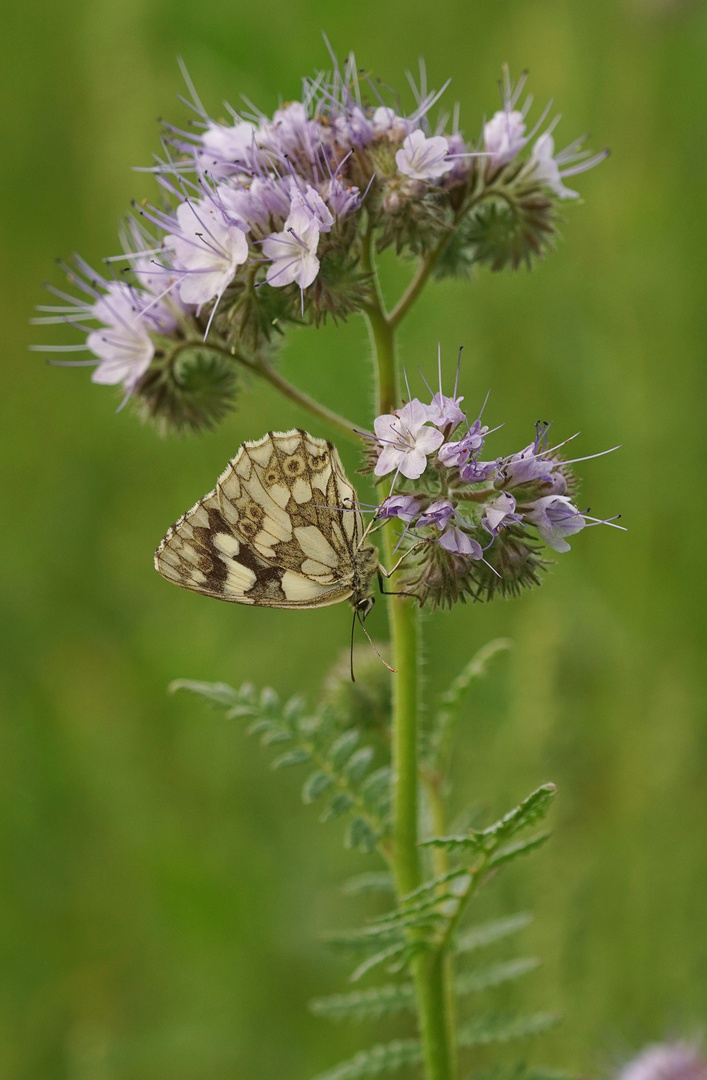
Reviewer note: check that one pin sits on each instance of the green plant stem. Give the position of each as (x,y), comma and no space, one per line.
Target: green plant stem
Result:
(418,282)
(434,790)
(429,968)
(287,389)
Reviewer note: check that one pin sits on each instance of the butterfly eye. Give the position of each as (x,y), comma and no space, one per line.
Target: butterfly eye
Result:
(271,477)
(364,606)
(294,465)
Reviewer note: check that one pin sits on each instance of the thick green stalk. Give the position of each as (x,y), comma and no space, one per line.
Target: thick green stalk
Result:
(429,970)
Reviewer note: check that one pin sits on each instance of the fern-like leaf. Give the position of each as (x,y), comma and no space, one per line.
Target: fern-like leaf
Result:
(483,978)
(521,847)
(447,715)
(379,882)
(484,934)
(501,1028)
(378,1001)
(527,813)
(379,1059)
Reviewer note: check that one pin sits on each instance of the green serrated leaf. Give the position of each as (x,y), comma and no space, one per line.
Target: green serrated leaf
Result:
(466,842)
(360,836)
(376,785)
(274,735)
(530,811)
(260,727)
(293,757)
(379,1001)
(478,937)
(474,669)
(503,1028)
(434,884)
(380,882)
(341,750)
(364,938)
(293,708)
(383,1058)
(269,700)
(358,763)
(341,802)
(218,693)
(482,978)
(519,1071)
(315,785)
(521,847)
(381,957)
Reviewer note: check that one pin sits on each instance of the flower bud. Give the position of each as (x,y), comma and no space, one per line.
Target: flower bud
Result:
(188,390)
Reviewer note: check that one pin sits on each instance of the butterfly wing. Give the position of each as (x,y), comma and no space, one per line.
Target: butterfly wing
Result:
(275,531)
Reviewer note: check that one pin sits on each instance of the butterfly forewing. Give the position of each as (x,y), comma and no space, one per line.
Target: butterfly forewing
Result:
(280,529)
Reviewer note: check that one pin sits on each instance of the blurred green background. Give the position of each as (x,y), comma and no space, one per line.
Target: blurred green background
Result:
(163,894)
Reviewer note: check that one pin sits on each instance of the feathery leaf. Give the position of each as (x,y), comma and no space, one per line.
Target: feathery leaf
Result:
(374,881)
(483,934)
(503,1028)
(380,1000)
(383,1058)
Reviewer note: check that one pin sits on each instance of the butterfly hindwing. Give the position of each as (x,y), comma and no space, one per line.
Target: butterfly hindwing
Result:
(280,529)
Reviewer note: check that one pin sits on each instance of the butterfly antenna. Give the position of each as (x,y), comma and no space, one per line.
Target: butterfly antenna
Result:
(370,642)
(353,627)
(459,364)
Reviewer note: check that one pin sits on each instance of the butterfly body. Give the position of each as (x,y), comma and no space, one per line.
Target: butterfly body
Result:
(281,529)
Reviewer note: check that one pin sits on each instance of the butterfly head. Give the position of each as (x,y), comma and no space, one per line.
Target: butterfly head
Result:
(363,605)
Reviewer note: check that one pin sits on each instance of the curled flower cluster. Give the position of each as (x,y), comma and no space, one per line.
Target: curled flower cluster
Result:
(471,524)
(271,219)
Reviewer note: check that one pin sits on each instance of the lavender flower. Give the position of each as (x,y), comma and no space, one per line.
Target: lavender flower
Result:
(481,520)
(293,251)
(457,542)
(500,513)
(666,1061)
(123,344)
(131,320)
(455,454)
(555,517)
(405,507)
(264,202)
(545,167)
(341,199)
(227,149)
(421,158)
(208,249)
(438,514)
(387,122)
(405,441)
(444,412)
(504,136)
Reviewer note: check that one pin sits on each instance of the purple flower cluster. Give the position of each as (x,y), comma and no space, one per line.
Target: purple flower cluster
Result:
(262,205)
(479,519)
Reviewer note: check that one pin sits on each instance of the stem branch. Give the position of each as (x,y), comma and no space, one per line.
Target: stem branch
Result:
(287,389)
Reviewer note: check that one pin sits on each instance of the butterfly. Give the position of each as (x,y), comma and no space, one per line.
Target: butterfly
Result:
(281,529)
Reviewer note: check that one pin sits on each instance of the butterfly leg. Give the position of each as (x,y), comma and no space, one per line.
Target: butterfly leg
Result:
(389,573)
